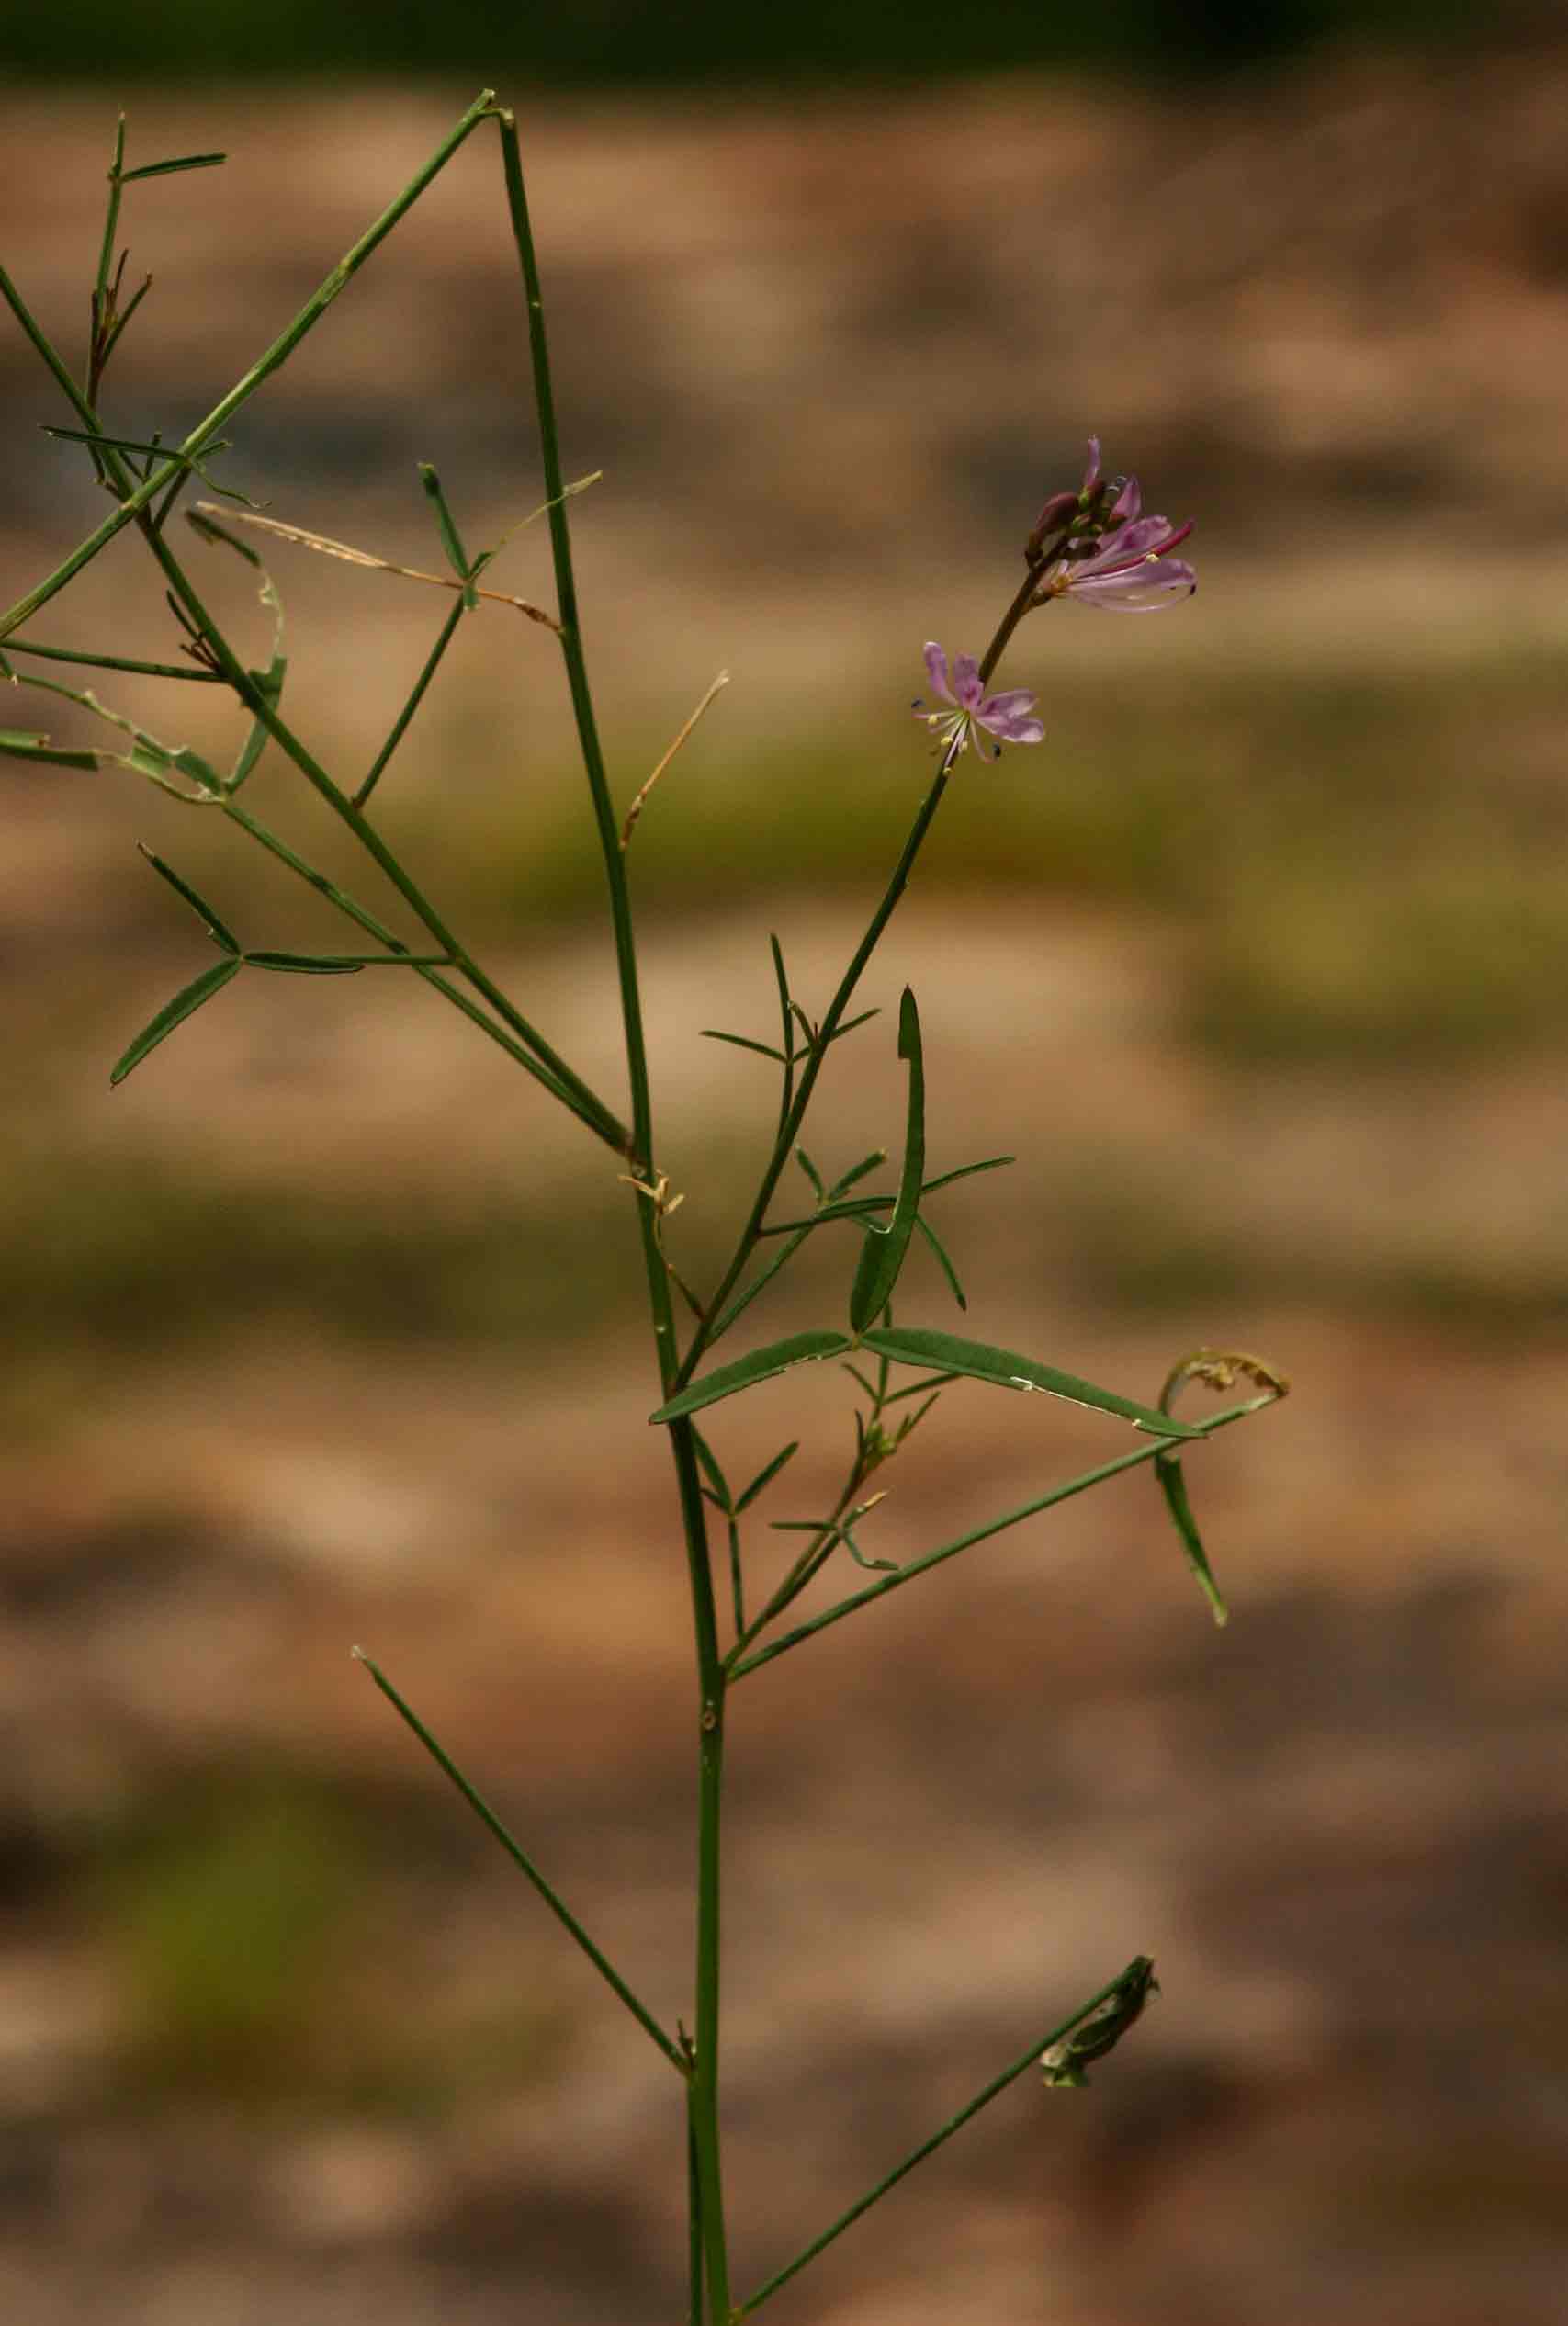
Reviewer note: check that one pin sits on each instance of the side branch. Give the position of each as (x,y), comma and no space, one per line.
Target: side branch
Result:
(1081,1485)
(519,1857)
(917,2156)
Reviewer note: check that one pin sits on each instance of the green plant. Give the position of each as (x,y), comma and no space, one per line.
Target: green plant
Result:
(1092,544)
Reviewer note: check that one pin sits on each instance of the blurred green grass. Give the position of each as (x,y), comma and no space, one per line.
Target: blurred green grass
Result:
(266,1946)
(1360,864)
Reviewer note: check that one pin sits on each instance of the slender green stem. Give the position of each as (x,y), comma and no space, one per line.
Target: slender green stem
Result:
(137,498)
(401,723)
(982,2099)
(111,226)
(577,669)
(520,1858)
(704,2097)
(1081,1485)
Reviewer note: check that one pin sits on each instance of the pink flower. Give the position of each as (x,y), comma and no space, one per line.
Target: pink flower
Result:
(1008,716)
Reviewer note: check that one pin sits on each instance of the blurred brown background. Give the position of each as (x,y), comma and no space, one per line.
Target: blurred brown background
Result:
(325,1329)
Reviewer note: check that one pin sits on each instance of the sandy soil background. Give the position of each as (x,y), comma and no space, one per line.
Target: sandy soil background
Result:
(325,1330)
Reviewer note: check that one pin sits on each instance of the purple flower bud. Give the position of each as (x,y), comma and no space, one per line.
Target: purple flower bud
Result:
(1055,517)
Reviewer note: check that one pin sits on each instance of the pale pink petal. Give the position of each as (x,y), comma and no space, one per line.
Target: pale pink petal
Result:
(1021,728)
(966,684)
(936,669)
(1139,589)
(1127,504)
(1145,538)
(1008,704)
(1091,468)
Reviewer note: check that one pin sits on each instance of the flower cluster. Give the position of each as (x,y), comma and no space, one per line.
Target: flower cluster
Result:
(1106,552)
(1095,545)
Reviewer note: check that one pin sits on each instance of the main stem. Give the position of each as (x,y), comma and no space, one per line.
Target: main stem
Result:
(706,2181)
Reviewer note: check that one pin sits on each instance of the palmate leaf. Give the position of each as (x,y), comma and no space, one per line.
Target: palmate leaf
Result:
(945,1352)
(726,1381)
(173,1013)
(882,1255)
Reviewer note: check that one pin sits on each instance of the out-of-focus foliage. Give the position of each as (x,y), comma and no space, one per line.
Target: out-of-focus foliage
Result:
(604,43)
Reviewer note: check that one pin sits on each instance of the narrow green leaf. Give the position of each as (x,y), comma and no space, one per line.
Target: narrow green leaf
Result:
(208,529)
(305,965)
(217,930)
(112,337)
(165,169)
(268,685)
(765,1476)
(967,1172)
(742,1042)
(882,1257)
(800,1349)
(812,1173)
(743,1300)
(446,525)
(709,1462)
(850,1025)
(173,1013)
(912,1345)
(918,1388)
(111,663)
(15,743)
(1173,1486)
(943,1258)
(124,443)
(857,1171)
